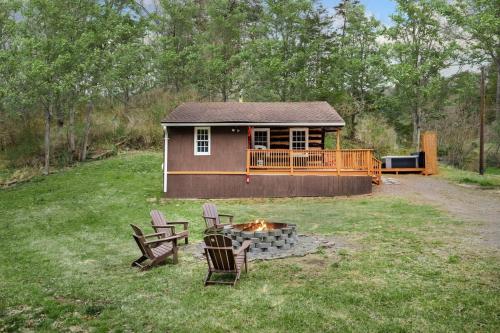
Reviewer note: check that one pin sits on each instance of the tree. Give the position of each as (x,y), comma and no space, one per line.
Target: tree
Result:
(130,67)
(45,59)
(285,59)
(358,60)
(479,21)
(220,48)
(174,42)
(420,50)
(111,27)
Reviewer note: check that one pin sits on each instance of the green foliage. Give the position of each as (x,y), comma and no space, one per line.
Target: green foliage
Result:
(359,65)
(374,132)
(56,57)
(490,179)
(420,50)
(66,249)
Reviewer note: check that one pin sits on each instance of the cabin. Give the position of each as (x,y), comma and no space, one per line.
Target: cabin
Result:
(261,149)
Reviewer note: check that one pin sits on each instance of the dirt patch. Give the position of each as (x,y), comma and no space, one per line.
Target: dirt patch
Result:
(471,204)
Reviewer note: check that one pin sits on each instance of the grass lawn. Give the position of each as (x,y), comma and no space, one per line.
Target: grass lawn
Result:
(66,249)
(491,178)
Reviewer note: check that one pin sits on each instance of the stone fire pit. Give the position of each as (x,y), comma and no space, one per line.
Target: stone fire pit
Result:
(265,236)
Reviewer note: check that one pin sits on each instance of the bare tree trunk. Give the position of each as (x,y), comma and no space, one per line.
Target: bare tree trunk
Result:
(48,115)
(497,97)
(126,101)
(224,93)
(352,134)
(90,107)
(71,132)
(417,115)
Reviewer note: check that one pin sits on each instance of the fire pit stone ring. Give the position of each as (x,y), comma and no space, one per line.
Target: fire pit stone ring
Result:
(265,236)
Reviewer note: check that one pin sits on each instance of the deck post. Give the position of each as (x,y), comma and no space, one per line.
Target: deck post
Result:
(338,158)
(338,139)
(248,162)
(290,157)
(369,162)
(338,153)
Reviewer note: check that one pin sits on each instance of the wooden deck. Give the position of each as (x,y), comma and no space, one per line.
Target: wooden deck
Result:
(352,162)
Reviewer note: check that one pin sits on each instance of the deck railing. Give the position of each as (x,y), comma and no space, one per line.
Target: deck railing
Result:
(342,162)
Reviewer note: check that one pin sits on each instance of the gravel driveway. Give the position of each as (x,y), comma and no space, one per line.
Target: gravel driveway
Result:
(465,202)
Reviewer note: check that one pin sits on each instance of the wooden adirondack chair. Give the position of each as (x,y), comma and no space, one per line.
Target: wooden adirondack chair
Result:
(160,224)
(156,250)
(221,258)
(212,218)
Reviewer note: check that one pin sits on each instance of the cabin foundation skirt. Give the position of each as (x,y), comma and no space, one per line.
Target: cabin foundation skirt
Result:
(265,186)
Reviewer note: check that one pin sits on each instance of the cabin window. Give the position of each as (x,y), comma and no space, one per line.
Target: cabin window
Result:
(261,138)
(299,138)
(202,140)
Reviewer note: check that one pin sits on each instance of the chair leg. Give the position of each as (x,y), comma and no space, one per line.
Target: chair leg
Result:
(175,257)
(148,266)
(236,278)
(139,261)
(207,277)
(246,264)
(186,240)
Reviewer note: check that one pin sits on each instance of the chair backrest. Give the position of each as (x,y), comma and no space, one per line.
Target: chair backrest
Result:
(141,241)
(219,249)
(159,220)
(211,215)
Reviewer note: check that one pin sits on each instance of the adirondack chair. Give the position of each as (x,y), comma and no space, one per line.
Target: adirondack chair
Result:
(221,258)
(212,218)
(160,224)
(156,250)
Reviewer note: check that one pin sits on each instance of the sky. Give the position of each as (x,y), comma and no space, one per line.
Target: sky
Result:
(380,9)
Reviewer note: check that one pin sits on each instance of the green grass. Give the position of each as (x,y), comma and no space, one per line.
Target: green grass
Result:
(65,251)
(492,171)
(491,178)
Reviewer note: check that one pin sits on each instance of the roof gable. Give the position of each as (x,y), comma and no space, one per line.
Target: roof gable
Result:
(230,113)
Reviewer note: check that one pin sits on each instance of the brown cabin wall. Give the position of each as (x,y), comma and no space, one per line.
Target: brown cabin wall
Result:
(262,186)
(227,151)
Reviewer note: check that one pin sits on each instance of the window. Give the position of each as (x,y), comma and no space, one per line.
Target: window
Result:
(202,140)
(260,139)
(299,138)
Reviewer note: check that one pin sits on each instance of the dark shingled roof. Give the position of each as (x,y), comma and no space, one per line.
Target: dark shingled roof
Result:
(255,113)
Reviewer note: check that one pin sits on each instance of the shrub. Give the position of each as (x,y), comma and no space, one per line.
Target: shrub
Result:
(374,132)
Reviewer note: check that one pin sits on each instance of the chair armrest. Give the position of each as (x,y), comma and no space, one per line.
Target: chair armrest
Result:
(156,234)
(162,240)
(171,227)
(244,246)
(184,223)
(229,216)
(217,248)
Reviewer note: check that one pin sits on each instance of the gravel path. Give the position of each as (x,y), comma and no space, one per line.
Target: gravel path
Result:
(468,203)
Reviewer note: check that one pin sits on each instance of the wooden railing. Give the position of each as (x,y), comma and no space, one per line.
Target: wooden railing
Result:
(342,162)
(377,170)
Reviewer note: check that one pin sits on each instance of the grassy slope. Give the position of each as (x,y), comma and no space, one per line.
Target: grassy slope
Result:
(490,179)
(65,249)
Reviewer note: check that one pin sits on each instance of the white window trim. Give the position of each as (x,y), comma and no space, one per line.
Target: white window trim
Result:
(268,130)
(292,129)
(196,153)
